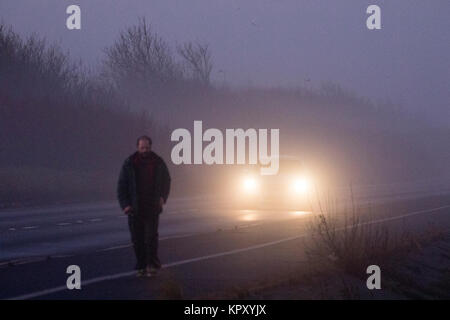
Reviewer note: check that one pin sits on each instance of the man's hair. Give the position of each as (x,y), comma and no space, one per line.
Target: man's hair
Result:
(144,138)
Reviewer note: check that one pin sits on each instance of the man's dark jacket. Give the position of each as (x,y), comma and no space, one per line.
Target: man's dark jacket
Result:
(126,188)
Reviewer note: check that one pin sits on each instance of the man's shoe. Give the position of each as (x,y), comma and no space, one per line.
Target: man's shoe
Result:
(156,264)
(151,271)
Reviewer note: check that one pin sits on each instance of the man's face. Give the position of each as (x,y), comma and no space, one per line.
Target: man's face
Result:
(144,148)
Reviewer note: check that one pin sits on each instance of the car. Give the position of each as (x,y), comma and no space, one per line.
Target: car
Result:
(291,188)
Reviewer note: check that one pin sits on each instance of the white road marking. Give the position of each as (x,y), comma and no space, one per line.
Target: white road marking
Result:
(30,227)
(180,211)
(211,256)
(12,229)
(95,220)
(59,256)
(18,262)
(178,237)
(25,261)
(160,239)
(61,224)
(115,247)
(414,213)
(169,265)
(79,221)
(29,261)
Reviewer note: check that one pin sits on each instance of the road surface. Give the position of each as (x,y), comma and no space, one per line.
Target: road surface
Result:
(201,239)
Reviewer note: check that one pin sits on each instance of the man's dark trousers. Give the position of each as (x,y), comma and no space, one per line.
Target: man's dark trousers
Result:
(144,236)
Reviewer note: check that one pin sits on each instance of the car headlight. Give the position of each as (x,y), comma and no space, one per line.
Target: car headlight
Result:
(301,185)
(250,184)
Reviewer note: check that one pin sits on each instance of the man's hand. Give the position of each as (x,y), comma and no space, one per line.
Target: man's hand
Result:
(128,210)
(161,201)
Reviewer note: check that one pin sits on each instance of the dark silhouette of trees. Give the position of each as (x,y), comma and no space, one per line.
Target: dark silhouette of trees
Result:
(198,61)
(61,123)
(57,118)
(142,68)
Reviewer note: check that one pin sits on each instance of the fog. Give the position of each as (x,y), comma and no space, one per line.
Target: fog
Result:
(277,42)
(359,105)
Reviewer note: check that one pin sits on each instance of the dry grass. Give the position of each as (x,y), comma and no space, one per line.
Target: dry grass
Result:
(340,235)
(342,242)
(347,239)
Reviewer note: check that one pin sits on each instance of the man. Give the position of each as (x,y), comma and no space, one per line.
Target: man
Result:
(142,190)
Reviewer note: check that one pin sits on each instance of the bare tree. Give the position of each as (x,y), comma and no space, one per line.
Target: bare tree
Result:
(198,60)
(140,55)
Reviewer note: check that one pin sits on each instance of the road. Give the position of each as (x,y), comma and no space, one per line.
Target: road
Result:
(192,230)
(60,231)
(64,230)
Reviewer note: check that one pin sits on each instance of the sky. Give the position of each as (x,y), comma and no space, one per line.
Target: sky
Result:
(276,42)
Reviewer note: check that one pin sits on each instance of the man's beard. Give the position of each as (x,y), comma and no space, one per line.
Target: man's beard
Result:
(145,154)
